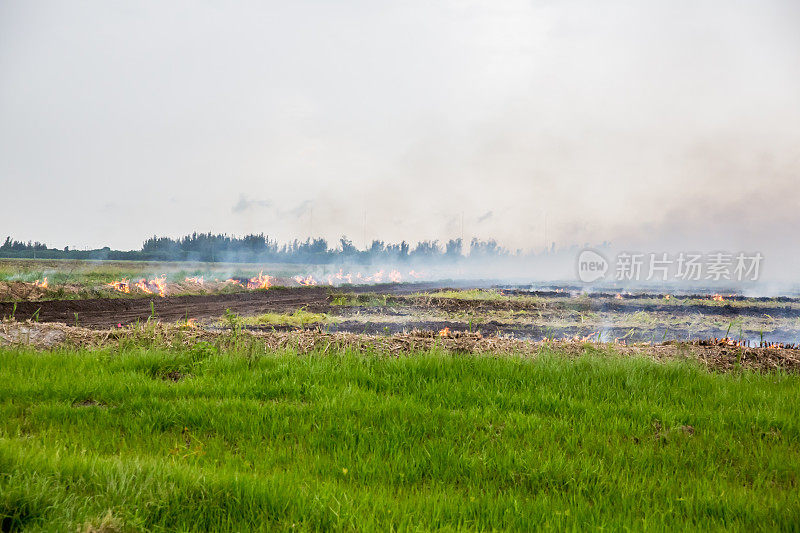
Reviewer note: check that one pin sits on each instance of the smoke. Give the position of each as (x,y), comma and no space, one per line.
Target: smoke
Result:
(653,126)
(301,209)
(245,204)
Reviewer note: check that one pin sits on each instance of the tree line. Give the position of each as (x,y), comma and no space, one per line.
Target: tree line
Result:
(208,247)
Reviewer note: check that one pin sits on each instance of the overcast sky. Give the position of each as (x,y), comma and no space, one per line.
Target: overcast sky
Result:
(654,124)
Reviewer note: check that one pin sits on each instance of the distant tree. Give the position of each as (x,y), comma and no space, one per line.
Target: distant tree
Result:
(398,252)
(426,250)
(453,249)
(377,248)
(19,246)
(347,248)
(488,248)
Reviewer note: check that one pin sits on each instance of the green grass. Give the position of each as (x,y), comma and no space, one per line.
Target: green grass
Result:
(255,440)
(481,295)
(364,300)
(300,317)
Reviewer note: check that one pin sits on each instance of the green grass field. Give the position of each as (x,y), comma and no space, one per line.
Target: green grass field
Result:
(206,439)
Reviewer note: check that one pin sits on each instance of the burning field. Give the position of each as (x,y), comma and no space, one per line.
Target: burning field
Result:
(386,301)
(386,304)
(37,280)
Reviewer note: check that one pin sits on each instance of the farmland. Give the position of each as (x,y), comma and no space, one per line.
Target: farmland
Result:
(390,405)
(381,301)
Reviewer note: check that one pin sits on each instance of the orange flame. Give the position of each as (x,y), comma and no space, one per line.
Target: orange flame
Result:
(718,298)
(161,285)
(155,285)
(259,282)
(42,284)
(142,286)
(340,276)
(308,280)
(444,332)
(618,296)
(121,286)
(381,276)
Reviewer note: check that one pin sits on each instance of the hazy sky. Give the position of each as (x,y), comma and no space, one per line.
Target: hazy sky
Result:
(672,123)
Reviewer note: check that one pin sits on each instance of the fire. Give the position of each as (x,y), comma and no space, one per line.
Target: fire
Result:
(381,276)
(718,298)
(142,286)
(309,280)
(259,282)
(158,285)
(377,277)
(444,332)
(155,285)
(779,345)
(161,285)
(618,296)
(340,276)
(42,284)
(121,286)
(667,296)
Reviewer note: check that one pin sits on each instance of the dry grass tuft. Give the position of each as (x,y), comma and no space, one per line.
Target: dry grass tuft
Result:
(107,524)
